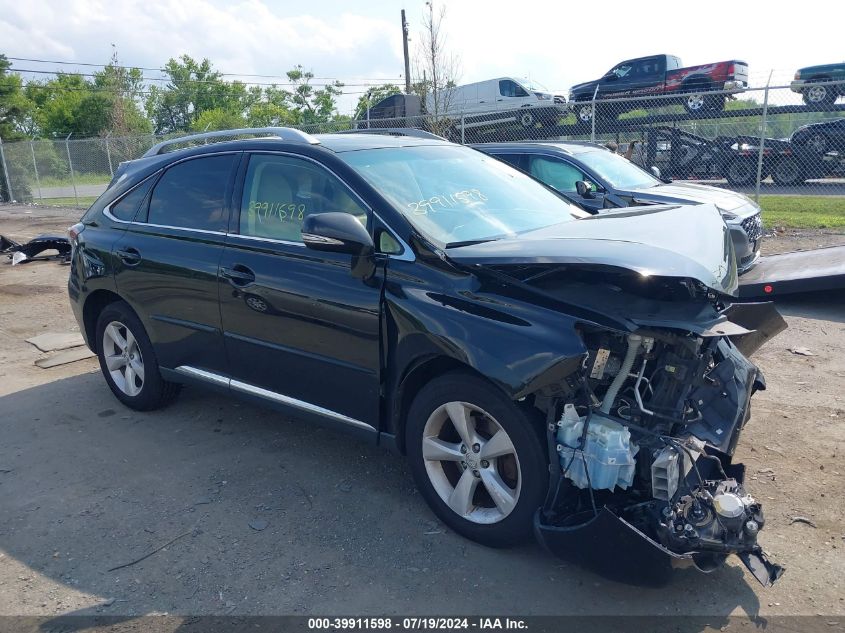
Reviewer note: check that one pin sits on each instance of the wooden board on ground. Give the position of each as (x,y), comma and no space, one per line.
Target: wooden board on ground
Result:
(52,341)
(63,358)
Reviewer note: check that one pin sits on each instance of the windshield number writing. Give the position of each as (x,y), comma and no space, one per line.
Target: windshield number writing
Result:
(446,201)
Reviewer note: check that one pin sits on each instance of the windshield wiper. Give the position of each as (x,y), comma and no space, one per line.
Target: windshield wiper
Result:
(470,242)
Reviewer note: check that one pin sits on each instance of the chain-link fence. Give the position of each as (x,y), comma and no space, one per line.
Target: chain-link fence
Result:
(758,141)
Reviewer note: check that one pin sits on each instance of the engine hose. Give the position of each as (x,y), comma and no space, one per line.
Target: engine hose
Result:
(634,342)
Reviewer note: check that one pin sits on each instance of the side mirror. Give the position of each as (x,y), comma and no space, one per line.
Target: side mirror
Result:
(656,171)
(584,190)
(337,232)
(610,77)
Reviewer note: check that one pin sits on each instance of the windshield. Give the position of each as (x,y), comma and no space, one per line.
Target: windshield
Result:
(454,195)
(533,86)
(619,172)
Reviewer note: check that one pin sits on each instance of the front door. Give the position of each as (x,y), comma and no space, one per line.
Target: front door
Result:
(298,327)
(167,261)
(562,176)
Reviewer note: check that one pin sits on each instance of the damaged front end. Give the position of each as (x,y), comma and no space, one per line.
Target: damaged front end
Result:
(641,443)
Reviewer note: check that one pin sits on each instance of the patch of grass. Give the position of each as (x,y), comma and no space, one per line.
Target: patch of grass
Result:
(81,179)
(84,202)
(803,212)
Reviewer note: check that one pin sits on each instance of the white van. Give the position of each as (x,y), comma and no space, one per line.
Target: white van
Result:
(500,100)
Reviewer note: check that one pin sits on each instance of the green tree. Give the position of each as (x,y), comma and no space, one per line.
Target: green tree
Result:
(68,104)
(217,119)
(193,88)
(15,108)
(124,87)
(310,104)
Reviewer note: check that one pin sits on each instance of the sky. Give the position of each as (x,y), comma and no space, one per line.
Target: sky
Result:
(555,43)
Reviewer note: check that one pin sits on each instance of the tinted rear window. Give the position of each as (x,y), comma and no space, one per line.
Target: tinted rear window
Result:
(192,194)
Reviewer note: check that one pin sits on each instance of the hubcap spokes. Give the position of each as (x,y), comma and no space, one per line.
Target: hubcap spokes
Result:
(123,358)
(471,462)
(695,102)
(817,93)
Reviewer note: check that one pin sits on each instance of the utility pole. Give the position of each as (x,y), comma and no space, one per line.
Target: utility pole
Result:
(405,51)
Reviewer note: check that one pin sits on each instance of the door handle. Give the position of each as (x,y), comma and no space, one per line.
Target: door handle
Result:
(129,256)
(238,275)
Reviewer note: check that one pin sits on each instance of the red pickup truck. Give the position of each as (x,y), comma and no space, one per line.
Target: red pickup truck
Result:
(661,75)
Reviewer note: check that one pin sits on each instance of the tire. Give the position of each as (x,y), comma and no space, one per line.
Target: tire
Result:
(527,120)
(815,143)
(449,468)
(820,95)
(133,376)
(584,113)
(787,172)
(715,103)
(741,172)
(695,101)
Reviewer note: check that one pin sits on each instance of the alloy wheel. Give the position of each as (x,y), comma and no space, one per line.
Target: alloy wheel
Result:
(123,358)
(585,113)
(695,102)
(471,462)
(817,94)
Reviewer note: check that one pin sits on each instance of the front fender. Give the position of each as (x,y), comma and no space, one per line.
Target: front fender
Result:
(519,354)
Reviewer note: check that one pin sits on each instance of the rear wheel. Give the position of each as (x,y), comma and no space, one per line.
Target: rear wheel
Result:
(741,172)
(698,100)
(128,361)
(477,459)
(787,172)
(820,95)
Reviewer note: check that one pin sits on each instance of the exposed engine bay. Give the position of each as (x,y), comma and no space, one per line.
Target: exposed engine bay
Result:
(641,439)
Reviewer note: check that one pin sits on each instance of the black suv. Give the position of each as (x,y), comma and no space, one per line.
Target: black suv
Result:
(580,376)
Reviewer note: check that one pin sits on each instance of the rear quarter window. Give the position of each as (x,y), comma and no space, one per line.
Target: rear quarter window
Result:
(126,208)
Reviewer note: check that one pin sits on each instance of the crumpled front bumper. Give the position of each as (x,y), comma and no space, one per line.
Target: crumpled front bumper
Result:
(615,549)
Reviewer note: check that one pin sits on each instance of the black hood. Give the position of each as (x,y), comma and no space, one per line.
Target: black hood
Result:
(686,242)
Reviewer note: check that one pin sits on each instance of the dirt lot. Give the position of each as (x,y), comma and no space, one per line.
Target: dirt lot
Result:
(274,517)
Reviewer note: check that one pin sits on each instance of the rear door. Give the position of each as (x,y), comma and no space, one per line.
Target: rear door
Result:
(167,260)
(299,328)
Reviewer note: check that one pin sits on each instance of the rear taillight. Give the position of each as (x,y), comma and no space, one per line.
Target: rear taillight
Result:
(73,233)
(731,69)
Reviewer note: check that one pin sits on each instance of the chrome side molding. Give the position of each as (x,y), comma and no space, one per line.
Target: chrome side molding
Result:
(273,396)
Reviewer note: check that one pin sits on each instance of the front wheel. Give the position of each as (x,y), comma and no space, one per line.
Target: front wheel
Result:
(477,459)
(128,361)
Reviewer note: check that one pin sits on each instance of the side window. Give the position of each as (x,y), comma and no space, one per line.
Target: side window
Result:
(622,70)
(125,208)
(280,191)
(647,67)
(514,160)
(192,194)
(556,173)
(508,88)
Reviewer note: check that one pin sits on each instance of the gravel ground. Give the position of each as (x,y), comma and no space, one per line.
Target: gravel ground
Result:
(271,516)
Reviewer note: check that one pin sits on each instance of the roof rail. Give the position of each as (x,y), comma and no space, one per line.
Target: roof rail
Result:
(396,131)
(284,133)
